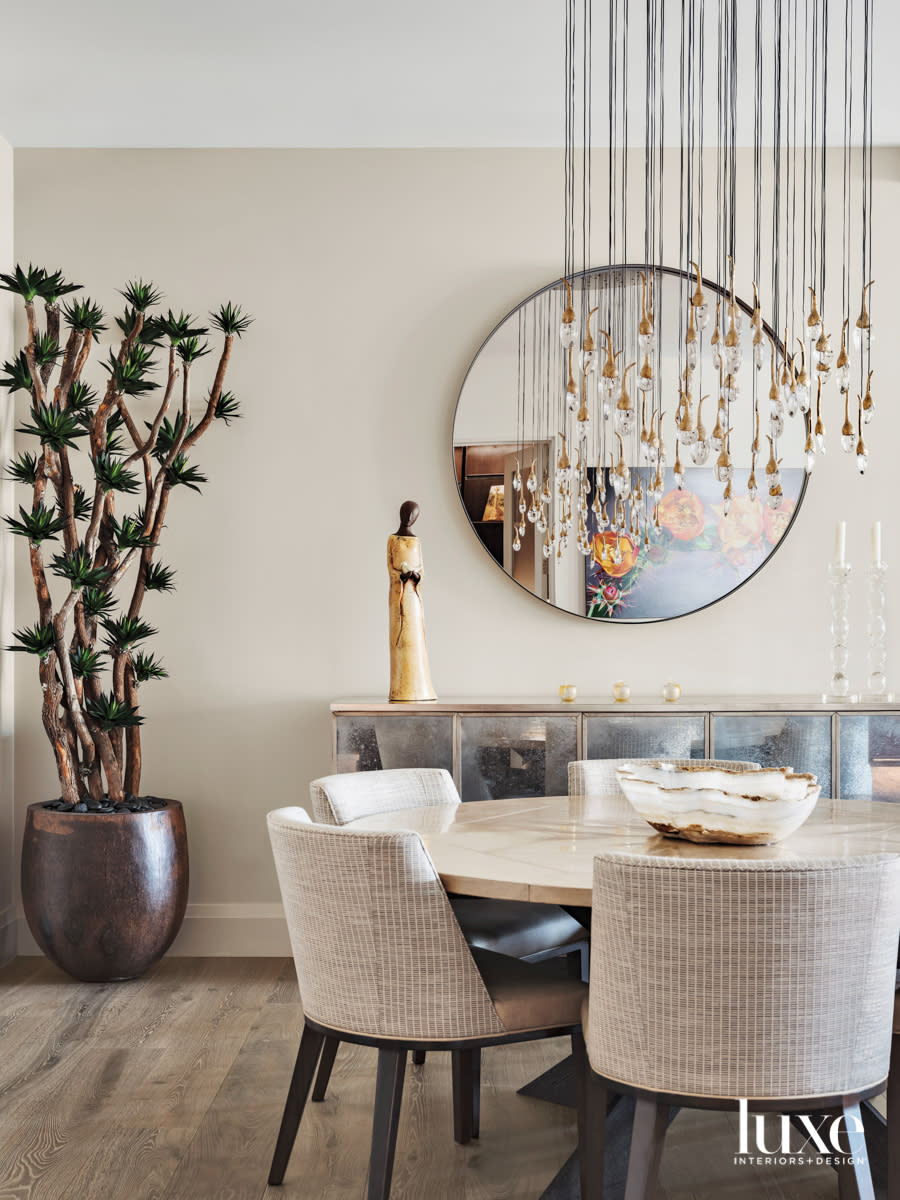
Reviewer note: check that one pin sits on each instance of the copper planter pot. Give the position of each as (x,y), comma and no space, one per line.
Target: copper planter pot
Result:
(105,893)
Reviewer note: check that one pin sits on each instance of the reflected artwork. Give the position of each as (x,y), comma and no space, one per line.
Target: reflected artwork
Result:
(699,554)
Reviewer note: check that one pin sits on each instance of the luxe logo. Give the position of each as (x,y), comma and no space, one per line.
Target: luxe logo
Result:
(823,1139)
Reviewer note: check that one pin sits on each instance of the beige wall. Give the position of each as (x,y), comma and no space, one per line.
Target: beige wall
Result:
(8,846)
(373,276)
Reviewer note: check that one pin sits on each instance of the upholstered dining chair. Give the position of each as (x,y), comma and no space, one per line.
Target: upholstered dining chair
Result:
(381,961)
(519,928)
(770,982)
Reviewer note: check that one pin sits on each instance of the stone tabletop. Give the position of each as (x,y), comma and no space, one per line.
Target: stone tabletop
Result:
(542,848)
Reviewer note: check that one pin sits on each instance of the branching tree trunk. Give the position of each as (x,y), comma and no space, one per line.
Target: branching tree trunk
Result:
(95,734)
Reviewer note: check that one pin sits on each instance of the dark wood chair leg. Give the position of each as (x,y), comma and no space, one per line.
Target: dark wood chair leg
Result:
(304,1069)
(326,1062)
(476,1093)
(388,1096)
(466,1070)
(592,1105)
(893,1121)
(855,1178)
(651,1119)
(418,1057)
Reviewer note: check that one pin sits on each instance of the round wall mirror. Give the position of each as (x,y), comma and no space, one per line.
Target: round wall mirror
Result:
(614,480)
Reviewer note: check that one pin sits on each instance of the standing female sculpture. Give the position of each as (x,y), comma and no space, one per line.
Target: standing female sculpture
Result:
(410,676)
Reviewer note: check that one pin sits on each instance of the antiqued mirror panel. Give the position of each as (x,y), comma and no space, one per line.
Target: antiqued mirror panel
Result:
(870,755)
(682,736)
(376,743)
(517,755)
(798,740)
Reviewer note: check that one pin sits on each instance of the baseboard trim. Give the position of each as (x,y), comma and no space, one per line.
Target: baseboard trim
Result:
(212,931)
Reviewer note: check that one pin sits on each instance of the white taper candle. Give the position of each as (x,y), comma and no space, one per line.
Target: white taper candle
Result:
(876,544)
(840,549)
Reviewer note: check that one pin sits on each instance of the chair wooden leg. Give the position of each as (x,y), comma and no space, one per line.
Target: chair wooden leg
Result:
(651,1119)
(418,1057)
(326,1062)
(893,1121)
(388,1096)
(304,1069)
(466,1070)
(592,1105)
(855,1179)
(476,1093)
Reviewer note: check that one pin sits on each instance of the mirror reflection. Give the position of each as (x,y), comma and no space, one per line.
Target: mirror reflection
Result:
(627,475)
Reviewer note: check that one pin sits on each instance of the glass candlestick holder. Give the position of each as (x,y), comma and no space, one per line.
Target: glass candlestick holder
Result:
(876,630)
(839,688)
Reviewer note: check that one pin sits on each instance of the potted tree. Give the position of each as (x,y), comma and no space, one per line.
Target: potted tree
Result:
(104,869)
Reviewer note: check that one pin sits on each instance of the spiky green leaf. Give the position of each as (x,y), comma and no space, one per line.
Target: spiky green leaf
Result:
(81,396)
(191,348)
(46,350)
(158,578)
(228,408)
(39,640)
(147,666)
(128,375)
(176,329)
(128,533)
(125,632)
(24,469)
(231,320)
(81,506)
(52,287)
(110,713)
(180,472)
(96,602)
(150,335)
(113,475)
(26,284)
(86,663)
(77,567)
(141,295)
(169,433)
(40,525)
(84,315)
(18,374)
(55,426)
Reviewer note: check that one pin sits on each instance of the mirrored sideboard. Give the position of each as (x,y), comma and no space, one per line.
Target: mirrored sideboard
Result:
(496,749)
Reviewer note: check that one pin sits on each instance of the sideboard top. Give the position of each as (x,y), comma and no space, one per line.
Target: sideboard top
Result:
(637,704)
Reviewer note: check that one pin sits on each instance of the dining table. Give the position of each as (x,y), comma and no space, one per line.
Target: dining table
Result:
(542,849)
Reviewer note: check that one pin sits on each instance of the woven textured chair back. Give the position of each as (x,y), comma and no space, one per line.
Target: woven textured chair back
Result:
(377,948)
(597,776)
(337,799)
(742,978)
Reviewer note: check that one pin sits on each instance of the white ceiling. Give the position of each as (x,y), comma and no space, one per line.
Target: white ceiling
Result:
(357,73)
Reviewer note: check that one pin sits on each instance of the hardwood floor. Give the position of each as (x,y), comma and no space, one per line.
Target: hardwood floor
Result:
(171,1088)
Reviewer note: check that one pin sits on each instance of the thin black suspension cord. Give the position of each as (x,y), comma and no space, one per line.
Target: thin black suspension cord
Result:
(823,229)
(776,153)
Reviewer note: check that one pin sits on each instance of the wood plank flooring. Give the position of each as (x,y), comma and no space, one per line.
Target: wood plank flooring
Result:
(171,1088)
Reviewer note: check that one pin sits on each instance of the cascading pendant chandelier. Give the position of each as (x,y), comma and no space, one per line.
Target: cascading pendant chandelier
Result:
(620,394)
